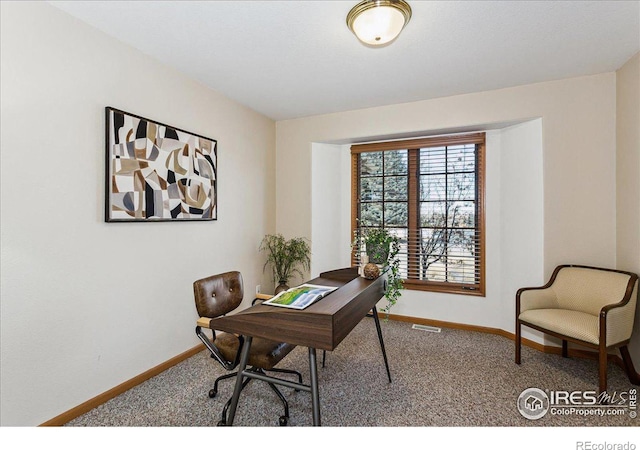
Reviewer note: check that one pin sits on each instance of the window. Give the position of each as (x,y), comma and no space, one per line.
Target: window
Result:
(430,193)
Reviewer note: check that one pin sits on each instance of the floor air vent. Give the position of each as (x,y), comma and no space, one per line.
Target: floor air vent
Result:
(426,328)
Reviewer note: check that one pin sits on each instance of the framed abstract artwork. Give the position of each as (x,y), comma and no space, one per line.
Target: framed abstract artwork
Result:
(156,172)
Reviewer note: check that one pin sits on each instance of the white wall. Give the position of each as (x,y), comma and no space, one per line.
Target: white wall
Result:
(628,178)
(573,213)
(87,305)
(331,208)
(521,217)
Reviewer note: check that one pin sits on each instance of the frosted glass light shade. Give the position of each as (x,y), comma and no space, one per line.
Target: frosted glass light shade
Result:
(378,22)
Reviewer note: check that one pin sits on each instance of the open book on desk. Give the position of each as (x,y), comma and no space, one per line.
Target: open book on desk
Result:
(300,297)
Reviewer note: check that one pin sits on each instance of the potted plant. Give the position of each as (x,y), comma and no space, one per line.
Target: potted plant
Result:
(377,244)
(382,248)
(285,258)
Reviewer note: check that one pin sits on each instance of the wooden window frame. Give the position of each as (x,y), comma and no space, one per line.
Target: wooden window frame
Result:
(413,146)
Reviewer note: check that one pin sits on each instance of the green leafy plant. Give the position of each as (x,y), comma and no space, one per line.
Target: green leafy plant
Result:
(286,256)
(382,248)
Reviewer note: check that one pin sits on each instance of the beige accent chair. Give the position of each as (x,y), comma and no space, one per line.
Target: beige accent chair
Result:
(590,306)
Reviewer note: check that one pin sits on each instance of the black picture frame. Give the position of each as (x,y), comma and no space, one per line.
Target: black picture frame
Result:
(156,172)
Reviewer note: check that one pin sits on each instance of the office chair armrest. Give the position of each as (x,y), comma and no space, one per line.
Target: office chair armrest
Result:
(204,322)
(215,352)
(260,298)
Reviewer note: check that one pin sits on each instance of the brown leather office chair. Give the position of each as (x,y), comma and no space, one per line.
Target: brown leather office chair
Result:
(216,296)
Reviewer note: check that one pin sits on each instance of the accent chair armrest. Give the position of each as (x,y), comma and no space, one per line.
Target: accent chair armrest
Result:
(536,298)
(619,318)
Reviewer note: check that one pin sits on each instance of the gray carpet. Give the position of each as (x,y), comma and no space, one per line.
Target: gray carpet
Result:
(453,378)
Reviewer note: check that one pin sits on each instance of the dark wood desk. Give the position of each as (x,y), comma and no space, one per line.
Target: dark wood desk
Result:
(322,325)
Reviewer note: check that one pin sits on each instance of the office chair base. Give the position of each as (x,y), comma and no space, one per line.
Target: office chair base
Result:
(213,392)
(283,420)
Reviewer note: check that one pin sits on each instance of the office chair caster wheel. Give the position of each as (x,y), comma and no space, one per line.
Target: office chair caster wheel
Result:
(213,393)
(284,420)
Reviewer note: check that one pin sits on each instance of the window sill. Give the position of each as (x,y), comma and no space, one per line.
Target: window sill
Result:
(444,288)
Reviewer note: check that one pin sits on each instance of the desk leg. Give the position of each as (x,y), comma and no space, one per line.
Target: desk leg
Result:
(244,358)
(384,353)
(315,395)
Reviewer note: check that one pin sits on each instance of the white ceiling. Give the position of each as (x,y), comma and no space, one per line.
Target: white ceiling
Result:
(289,59)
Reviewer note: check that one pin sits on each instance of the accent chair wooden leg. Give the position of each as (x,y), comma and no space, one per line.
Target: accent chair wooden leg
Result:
(518,341)
(565,348)
(634,378)
(602,368)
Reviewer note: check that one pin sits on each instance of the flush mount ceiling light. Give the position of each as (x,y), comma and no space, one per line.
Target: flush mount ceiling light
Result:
(378,22)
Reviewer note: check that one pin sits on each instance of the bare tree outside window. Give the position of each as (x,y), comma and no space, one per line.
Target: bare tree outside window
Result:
(448,213)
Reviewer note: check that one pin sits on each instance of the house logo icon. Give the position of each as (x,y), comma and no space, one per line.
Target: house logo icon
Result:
(533,403)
